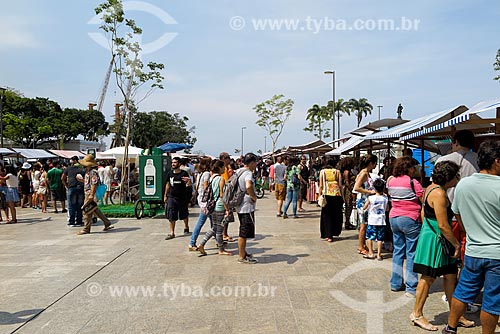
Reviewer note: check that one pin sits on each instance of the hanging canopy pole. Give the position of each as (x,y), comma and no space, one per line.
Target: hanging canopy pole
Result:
(497,125)
(422,172)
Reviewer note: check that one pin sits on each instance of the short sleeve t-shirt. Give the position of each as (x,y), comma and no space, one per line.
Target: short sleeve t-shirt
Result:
(404,200)
(468,166)
(54,177)
(177,185)
(477,201)
(376,210)
(205,177)
(279,173)
(71,172)
(289,177)
(248,205)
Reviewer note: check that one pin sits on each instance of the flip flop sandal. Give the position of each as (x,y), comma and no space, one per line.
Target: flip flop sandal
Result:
(170,236)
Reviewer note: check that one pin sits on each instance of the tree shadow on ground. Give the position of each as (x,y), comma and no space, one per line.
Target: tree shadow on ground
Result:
(7,318)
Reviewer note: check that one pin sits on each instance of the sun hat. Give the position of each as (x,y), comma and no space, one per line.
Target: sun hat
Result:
(26,165)
(88,161)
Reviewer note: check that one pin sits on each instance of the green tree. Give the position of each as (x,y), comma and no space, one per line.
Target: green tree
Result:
(496,65)
(272,116)
(317,117)
(31,122)
(130,73)
(361,108)
(167,128)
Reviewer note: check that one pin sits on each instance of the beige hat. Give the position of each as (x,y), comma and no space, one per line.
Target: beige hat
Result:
(88,161)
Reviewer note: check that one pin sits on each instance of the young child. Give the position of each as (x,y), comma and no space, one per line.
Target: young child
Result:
(377,206)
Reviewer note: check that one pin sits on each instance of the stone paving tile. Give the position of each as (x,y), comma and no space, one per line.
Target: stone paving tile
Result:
(319,287)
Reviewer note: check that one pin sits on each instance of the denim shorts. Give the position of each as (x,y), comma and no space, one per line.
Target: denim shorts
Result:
(476,274)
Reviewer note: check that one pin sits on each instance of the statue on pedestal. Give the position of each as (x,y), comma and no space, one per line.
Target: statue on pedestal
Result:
(400,110)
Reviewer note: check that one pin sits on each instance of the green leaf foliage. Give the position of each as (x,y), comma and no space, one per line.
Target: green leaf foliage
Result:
(158,127)
(361,108)
(272,116)
(31,122)
(496,65)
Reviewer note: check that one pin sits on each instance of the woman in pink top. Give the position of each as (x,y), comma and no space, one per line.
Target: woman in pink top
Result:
(406,195)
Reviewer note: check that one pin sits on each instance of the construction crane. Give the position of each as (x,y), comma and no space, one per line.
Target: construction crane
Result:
(104,88)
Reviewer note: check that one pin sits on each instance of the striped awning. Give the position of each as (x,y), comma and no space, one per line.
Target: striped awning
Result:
(417,124)
(478,108)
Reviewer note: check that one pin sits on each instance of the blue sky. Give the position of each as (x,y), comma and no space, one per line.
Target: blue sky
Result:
(215,75)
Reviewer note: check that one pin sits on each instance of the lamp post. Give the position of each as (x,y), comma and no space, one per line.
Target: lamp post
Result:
(333,105)
(1,115)
(265,144)
(242,128)
(379,107)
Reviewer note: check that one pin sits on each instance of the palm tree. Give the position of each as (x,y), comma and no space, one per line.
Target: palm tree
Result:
(361,108)
(317,116)
(341,107)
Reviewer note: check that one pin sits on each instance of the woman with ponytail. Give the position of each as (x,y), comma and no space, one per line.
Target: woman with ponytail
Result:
(364,188)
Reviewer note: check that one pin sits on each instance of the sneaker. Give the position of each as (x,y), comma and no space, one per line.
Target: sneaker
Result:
(397,290)
(64,211)
(446,330)
(295,217)
(186,231)
(409,295)
(444,299)
(248,260)
(285,216)
(279,214)
(471,308)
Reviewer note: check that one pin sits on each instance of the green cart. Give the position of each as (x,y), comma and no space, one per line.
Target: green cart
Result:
(153,171)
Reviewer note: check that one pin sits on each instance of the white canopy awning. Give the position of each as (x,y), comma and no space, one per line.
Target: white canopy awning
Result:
(6,151)
(347,146)
(29,153)
(119,152)
(466,116)
(418,124)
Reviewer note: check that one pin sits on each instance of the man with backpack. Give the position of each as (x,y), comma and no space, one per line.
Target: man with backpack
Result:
(240,193)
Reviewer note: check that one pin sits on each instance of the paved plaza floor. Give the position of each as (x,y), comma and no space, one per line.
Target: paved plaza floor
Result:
(131,280)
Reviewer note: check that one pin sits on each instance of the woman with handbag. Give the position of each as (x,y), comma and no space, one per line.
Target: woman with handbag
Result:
(437,248)
(91,182)
(406,195)
(330,187)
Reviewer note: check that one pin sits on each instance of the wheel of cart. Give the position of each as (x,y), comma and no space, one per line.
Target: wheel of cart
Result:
(148,208)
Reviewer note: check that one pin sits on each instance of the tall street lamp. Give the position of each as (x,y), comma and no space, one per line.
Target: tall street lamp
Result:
(265,144)
(333,104)
(1,115)
(242,128)
(379,107)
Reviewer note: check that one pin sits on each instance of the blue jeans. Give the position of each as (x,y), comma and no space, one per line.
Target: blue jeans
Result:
(405,235)
(75,201)
(202,218)
(292,194)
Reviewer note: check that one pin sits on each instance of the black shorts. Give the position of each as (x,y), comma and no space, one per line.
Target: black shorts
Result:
(247,225)
(303,191)
(177,209)
(58,194)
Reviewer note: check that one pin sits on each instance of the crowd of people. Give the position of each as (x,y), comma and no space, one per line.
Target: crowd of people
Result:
(447,227)
(73,184)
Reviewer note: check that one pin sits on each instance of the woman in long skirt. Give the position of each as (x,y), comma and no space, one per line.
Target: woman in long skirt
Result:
(330,186)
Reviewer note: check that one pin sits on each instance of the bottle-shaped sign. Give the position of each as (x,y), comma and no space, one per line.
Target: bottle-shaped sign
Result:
(149,178)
